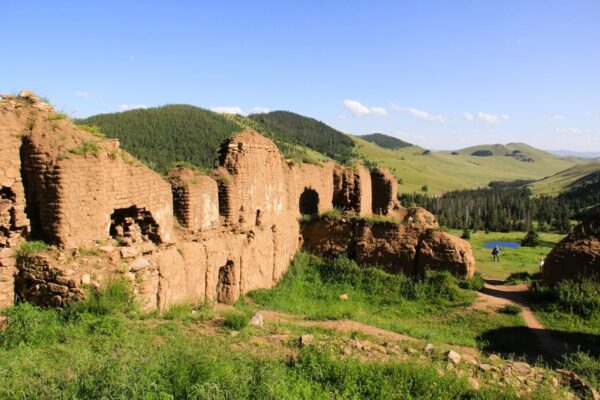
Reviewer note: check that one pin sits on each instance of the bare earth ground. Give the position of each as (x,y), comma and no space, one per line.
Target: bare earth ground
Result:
(495,295)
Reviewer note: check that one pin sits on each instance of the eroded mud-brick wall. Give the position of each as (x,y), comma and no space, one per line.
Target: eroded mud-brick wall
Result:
(352,190)
(257,187)
(195,199)
(82,198)
(311,188)
(385,191)
(13,221)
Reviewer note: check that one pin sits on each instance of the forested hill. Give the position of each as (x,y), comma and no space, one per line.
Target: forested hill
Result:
(304,131)
(385,141)
(165,135)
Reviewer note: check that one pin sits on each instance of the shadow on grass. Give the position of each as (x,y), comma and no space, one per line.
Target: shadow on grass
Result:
(522,342)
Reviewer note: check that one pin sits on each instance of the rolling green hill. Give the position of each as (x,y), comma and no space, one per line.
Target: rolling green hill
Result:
(163,136)
(296,129)
(564,180)
(444,171)
(385,141)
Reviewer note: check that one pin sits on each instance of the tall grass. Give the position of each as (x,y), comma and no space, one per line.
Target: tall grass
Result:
(98,350)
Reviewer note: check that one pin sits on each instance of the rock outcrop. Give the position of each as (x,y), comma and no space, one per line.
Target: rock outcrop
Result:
(107,216)
(396,247)
(575,257)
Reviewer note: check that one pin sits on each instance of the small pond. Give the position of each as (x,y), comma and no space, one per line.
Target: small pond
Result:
(508,245)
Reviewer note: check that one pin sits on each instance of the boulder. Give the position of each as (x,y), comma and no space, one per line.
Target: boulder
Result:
(575,257)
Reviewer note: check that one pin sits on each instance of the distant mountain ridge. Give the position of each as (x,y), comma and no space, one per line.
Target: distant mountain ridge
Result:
(571,153)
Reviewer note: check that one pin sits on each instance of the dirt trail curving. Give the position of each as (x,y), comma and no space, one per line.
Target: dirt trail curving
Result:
(495,295)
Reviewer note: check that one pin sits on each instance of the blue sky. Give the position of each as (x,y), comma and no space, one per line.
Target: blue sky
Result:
(440,74)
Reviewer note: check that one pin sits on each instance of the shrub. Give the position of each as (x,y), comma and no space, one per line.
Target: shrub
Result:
(57,116)
(475,283)
(521,277)
(30,249)
(585,365)
(115,298)
(236,320)
(581,298)
(532,239)
(466,234)
(510,309)
(87,147)
(93,129)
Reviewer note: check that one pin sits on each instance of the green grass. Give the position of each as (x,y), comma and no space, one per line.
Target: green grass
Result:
(94,130)
(524,259)
(57,116)
(30,248)
(87,147)
(510,309)
(92,352)
(236,320)
(432,310)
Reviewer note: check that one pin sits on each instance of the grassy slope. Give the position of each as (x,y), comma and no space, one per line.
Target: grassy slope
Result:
(559,182)
(442,171)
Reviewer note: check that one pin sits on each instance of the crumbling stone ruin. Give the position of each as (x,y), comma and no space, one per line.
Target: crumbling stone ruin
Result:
(575,257)
(190,237)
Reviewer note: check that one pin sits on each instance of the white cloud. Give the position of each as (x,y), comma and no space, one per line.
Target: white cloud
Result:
(468,116)
(557,118)
(82,94)
(228,110)
(260,110)
(493,118)
(424,115)
(360,109)
(126,107)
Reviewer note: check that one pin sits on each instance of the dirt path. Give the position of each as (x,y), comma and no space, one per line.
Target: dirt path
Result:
(495,295)
(345,325)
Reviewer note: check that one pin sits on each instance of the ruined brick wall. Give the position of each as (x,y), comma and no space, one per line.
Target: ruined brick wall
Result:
(195,199)
(352,190)
(239,226)
(312,188)
(258,179)
(13,221)
(384,188)
(80,187)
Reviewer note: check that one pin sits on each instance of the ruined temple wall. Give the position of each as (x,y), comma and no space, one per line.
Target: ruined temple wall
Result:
(258,179)
(195,199)
(352,190)
(75,195)
(384,189)
(13,221)
(312,188)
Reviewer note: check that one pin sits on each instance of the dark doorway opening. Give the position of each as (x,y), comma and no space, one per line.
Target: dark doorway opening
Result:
(309,202)
(133,225)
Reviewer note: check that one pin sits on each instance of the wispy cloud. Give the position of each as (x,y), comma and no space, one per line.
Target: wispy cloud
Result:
(492,118)
(424,115)
(80,93)
(557,118)
(259,110)
(228,110)
(468,116)
(360,109)
(126,107)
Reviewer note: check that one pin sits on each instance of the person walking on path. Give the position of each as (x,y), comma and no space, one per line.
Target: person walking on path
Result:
(496,253)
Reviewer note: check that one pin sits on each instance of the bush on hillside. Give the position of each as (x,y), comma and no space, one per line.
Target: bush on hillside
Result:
(581,298)
(532,239)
